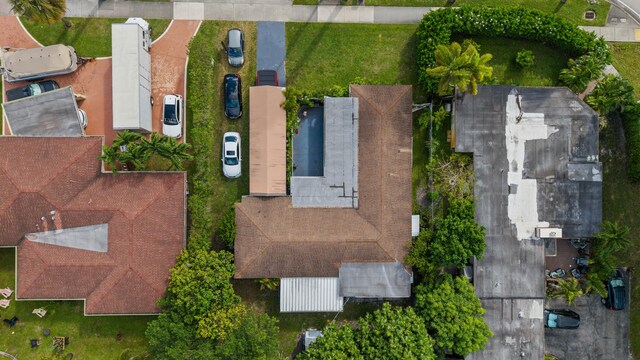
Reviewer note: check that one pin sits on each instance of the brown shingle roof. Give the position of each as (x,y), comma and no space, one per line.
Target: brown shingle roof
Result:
(277,240)
(144,212)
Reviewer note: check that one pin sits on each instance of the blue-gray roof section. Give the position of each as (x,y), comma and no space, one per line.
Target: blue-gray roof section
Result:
(375,280)
(338,187)
(53,113)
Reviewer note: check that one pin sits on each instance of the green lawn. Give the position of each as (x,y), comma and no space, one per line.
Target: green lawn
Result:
(572,10)
(322,55)
(91,337)
(544,72)
(205,115)
(91,37)
(625,60)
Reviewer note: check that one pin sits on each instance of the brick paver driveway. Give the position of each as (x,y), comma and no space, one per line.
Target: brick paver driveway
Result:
(93,79)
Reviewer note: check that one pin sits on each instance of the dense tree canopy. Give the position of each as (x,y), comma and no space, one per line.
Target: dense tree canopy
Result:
(452,314)
(256,338)
(203,316)
(388,333)
(457,237)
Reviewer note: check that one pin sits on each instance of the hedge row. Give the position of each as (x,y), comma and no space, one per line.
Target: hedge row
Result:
(631,118)
(437,27)
(202,170)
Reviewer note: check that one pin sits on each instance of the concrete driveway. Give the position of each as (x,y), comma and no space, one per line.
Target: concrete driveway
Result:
(603,334)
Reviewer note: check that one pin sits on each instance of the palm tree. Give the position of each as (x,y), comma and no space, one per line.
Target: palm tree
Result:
(42,11)
(176,153)
(461,69)
(569,288)
(580,71)
(126,138)
(612,93)
(110,156)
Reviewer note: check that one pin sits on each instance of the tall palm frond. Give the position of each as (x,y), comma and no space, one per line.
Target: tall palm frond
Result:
(42,11)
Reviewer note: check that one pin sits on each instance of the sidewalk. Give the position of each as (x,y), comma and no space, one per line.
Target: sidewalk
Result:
(247,10)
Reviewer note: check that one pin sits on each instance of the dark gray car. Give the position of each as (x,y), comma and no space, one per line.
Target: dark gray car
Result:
(235,47)
(31,90)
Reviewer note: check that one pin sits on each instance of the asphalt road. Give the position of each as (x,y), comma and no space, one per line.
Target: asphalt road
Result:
(631,6)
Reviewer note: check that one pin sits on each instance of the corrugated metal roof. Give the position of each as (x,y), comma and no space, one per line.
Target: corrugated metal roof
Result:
(268,145)
(310,294)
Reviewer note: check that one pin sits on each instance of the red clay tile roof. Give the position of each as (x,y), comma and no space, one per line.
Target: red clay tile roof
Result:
(276,240)
(145,213)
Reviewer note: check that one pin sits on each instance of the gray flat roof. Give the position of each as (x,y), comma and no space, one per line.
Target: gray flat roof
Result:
(375,280)
(339,185)
(52,113)
(535,162)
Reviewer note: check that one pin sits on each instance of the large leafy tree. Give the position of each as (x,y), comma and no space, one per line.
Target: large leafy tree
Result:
(460,68)
(199,289)
(457,237)
(256,338)
(42,11)
(611,94)
(388,333)
(169,338)
(203,316)
(452,314)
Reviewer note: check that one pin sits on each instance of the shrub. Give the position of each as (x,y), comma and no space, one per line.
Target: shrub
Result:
(631,120)
(227,228)
(437,28)
(613,93)
(525,58)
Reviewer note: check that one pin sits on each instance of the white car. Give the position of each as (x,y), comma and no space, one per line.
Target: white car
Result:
(82,116)
(231,157)
(172,115)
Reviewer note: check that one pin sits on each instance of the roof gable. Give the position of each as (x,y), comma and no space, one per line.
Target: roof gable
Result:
(275,239)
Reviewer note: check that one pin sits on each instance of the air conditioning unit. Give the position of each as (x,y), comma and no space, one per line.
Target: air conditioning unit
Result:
(548,233)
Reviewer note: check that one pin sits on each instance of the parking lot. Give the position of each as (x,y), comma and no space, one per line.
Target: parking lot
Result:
(603,334)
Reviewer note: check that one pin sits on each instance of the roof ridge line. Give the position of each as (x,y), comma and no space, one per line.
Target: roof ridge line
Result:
(239,271)
(111,287)
(154,200)
(18,192)
(62,170)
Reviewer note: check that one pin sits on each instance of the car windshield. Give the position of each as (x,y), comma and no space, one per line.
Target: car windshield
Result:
(235,52)
(170,115)
(230,160)
(34,89)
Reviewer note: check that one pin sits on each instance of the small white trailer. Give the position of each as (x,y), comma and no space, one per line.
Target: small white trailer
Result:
(131,75)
